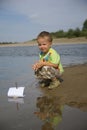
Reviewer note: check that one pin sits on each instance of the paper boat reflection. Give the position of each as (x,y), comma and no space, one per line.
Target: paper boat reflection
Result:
(16,100)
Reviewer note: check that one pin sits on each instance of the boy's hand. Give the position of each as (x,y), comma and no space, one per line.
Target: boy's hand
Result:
(38,65)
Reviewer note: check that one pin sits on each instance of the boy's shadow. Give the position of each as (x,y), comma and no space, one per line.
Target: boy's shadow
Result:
(49,111)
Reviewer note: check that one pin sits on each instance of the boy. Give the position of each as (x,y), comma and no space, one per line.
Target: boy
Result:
(49,67)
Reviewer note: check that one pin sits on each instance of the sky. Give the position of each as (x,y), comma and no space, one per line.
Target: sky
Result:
(23,20)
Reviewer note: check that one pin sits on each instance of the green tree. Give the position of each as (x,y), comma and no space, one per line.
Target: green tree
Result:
(60,33)
(70,33)
(85,25)
(77,32)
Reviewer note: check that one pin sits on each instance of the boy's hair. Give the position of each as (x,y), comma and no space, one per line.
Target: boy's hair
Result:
(45,34)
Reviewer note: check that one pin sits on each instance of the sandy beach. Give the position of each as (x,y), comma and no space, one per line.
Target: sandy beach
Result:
(59,41)
(73,90)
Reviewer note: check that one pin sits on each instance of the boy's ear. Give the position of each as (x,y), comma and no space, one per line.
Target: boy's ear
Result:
(50,43)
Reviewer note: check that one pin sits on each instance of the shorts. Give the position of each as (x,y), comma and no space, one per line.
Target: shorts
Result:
(47,72)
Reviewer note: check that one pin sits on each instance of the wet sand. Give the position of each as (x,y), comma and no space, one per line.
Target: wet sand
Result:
(73,90)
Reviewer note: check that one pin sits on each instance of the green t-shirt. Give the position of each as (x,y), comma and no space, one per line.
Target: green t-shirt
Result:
(53,57)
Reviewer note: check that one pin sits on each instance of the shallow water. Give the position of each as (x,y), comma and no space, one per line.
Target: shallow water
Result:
(70,54)
(35,111)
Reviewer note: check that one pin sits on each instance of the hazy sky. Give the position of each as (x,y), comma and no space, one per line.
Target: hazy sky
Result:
(22,20)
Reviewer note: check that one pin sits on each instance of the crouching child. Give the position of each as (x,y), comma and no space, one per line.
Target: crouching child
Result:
(49,68)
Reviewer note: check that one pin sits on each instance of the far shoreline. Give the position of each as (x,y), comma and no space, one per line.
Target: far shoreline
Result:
(59,41)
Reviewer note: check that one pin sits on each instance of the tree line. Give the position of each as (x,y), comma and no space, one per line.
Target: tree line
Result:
(71,33)
(6,43)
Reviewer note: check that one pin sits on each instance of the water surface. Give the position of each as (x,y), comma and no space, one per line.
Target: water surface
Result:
(35,111)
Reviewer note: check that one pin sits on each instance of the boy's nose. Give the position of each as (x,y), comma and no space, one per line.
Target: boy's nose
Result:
(41,46)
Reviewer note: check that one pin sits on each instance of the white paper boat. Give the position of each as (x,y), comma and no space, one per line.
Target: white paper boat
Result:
(16,92)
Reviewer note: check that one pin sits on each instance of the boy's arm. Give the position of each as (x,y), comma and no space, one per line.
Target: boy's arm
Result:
(42,63)
(47,63)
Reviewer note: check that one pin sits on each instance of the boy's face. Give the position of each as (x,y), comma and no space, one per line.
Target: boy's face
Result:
(44,44)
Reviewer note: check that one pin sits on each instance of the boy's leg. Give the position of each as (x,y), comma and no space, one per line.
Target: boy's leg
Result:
(45,82)
(48,73)
(54,84)
(60,79)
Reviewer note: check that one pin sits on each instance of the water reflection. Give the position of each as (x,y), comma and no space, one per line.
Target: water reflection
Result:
(49,110)
(17,101)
